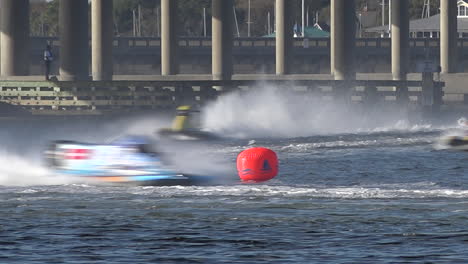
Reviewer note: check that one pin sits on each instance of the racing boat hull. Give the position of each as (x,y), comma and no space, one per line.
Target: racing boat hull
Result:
(129,163)
(456,142)
(195,135)
(146,180)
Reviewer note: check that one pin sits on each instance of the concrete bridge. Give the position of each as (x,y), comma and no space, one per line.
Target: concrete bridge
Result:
(74,47)
(142,55)
(76,54)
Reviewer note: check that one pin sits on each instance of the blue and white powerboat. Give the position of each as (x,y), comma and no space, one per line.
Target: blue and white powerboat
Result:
(130,160)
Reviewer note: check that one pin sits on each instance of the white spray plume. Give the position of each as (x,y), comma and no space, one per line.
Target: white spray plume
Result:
(19,171)
(272,112)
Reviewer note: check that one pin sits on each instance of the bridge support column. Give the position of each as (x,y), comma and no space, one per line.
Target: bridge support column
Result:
(431,99)
(343,38)
(169,43)
(343,31)
(284,36)
(74,43)
(448,36)
(221,43)
(400,39)
(102,28)
(14,37)
(400,46)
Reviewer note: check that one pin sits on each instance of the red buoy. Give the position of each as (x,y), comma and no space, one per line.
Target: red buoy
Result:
(257,164)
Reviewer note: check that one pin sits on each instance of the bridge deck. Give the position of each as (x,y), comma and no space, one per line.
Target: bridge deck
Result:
(236,77)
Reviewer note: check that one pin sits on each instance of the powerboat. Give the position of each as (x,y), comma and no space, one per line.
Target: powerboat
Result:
(455,142)
(185,126)
(130,161)
(456,139)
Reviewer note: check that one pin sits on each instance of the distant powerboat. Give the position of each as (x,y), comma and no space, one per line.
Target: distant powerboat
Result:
(185,126)
(455,142)
(456,139)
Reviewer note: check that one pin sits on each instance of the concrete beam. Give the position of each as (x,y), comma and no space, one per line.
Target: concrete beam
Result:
(343,38)
(14,37)
(222,38)
(74,40)
(102,33)
(448,36)
(169,43)
(400,39)
(284,37)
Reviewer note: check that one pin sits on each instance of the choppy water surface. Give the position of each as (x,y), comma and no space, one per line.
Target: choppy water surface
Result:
(354,187)
(370,197)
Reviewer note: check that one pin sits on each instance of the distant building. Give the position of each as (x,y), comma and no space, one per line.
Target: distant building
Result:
(428,27)
(368,16)
(322,26)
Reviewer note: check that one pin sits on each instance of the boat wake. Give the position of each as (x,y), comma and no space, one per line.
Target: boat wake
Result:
(240,192)
(275,113)
(20,171)
(384,191)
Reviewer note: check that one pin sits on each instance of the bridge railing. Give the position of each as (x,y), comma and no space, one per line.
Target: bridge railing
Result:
(92,96)
(38,43)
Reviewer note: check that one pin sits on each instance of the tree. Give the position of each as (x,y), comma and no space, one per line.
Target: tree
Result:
(189,12)
(44,18)
(190,15)
(123,15)
(416,8)
(44,15)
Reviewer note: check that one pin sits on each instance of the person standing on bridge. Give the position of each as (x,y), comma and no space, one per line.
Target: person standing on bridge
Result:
(48,58)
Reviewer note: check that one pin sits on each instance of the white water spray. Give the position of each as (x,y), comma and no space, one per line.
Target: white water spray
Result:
(271,112)
(21,171)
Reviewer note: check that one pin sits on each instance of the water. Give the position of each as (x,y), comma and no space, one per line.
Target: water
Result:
(378,194)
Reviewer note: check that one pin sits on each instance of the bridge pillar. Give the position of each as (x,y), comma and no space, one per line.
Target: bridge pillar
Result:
(74,43)
(343,38)
(169,43)
(448,36)
(221,43)
(14,37)
(343,41)
(102,27)
(284,36)
(400,39)
(400,46)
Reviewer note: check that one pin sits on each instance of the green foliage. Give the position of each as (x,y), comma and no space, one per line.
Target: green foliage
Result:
(123,14)
(190,16)
(416,8)
(44,18)
(44,15)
